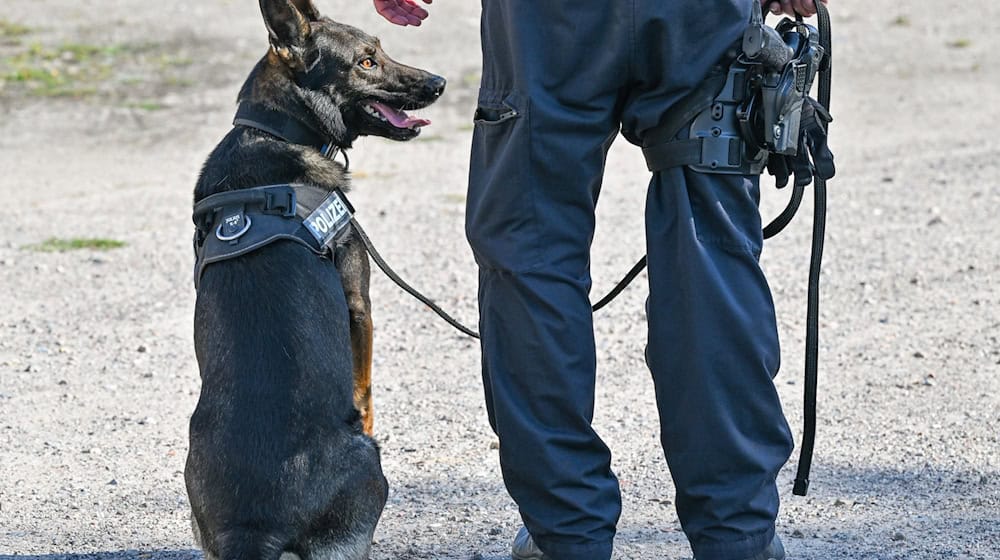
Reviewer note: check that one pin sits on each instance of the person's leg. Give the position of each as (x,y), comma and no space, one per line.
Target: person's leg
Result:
(712,352)
(713,344)
(545,122)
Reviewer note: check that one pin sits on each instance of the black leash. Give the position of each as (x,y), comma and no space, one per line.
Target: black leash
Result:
(620,286)
(384,266)
(406,287)
(801,486)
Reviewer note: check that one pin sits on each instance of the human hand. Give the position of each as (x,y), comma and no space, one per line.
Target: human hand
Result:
(402,12)
(805,8)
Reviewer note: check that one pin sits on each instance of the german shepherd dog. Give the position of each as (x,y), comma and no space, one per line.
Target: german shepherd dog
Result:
(281,457)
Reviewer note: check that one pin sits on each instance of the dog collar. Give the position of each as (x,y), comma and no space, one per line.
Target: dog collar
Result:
(288,128)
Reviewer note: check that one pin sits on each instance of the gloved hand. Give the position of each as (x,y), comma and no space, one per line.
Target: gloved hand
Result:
(814,157)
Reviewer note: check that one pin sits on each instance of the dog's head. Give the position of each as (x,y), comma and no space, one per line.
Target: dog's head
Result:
(341,75)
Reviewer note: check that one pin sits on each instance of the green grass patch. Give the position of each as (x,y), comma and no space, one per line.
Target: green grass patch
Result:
(177,81)
(960,44)
(147,106)
(122,73)
(169,60)
(67,70)
(57,245)
(13,30)
(901,21)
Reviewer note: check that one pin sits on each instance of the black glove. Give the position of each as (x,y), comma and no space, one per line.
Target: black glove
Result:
(814,157)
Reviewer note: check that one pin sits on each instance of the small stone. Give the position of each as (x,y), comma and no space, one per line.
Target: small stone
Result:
(112,482)
(918,354)
(797,534)
(141,349)
(494,531)
(898,536)
(495,444)
(838,502)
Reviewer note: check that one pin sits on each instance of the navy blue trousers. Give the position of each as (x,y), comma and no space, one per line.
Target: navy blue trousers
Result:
(561,79)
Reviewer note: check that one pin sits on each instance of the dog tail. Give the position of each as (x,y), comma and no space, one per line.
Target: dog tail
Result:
(244,545)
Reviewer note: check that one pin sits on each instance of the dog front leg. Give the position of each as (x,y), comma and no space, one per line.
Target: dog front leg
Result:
(355,272)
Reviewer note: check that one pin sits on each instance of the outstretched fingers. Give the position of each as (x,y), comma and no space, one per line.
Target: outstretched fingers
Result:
(402,12)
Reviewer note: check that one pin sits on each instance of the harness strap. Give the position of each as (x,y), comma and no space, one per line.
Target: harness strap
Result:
(234,223)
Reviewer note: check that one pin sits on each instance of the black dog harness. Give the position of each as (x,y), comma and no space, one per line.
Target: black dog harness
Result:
(234,223)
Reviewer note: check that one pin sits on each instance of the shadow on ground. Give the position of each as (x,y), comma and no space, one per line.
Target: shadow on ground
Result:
(112,555)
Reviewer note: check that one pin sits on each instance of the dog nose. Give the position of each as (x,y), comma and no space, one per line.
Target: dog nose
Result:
(435,86)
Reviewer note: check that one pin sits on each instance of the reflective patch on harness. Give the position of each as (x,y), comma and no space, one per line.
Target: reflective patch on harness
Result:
(328,223)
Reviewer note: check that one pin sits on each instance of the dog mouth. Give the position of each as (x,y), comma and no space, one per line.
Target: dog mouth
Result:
(395,117)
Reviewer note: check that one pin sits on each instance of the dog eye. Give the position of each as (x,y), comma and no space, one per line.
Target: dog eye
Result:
(368,63)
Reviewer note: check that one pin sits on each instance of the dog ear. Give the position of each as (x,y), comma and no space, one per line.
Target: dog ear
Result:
(307,9)
(287,24)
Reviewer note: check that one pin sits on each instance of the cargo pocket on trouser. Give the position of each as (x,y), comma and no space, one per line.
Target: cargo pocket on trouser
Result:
(501,222)
(725,211)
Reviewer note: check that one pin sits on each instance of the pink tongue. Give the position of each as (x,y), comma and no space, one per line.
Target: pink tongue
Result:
(399,119)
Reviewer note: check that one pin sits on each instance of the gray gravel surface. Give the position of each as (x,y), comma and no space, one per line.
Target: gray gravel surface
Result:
(98,377)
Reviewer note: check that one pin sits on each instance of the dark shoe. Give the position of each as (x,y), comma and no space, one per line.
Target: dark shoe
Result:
(774,551)
(524,548)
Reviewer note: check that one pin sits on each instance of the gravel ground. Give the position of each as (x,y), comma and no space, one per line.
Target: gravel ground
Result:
(108,108)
